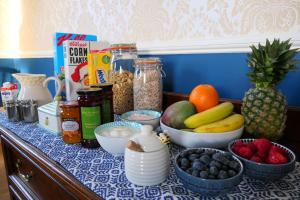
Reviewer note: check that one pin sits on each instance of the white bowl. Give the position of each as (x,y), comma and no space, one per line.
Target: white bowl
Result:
(152,113)
(114,145)
(194,140)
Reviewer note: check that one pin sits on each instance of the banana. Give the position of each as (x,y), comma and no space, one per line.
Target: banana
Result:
(208,116)
(230,123)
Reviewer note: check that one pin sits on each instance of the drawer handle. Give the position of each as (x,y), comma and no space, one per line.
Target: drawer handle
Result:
(25,177)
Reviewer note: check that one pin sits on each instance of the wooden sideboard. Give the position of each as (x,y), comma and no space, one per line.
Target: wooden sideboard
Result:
(32,175)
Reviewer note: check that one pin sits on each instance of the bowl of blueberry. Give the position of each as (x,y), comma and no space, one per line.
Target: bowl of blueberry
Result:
(208,171)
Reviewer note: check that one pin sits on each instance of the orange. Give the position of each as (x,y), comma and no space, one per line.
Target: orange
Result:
(204,97)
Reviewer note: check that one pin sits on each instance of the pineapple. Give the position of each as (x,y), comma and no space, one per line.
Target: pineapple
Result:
(263,107)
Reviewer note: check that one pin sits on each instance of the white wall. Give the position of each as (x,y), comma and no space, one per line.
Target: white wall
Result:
(158,26)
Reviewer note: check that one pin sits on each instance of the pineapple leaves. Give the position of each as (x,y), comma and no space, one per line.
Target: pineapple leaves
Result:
(271,62)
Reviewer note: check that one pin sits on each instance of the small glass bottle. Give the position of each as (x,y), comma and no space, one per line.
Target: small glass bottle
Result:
(147,84)
(122,62)
(107,102)
(90,102)
(70,119)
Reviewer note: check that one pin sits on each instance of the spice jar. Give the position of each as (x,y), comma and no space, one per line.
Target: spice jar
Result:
(13,111)
(147,84)
(107,102)
(122,61)
(70,118)
(90,102)
(29,110)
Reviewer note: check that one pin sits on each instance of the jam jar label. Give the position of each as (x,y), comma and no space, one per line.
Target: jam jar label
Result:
(90,119)
(70,126)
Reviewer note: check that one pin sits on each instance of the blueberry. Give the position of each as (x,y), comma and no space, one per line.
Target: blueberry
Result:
(214,163)
(185,162)
(205,159)
(222,174)
(198,165)
(213,170)
(195,173)
(224,167)
(193,157)
(210,176)
(231,173)
(189,170)
(221,158)
(204,174)
(234,165)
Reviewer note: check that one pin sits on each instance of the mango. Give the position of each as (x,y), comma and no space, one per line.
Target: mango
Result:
(176,113)
(208,116)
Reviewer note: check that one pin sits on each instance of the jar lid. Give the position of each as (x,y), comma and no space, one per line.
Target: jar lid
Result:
(148,139)
(147,61)
(29,102)
(68,104)
(123,46)
(103,86)
(85,91)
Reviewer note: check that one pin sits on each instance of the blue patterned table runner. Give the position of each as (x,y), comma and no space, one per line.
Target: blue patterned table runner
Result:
(104,173)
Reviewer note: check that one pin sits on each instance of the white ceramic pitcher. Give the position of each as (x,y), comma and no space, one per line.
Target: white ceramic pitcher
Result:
(34,86)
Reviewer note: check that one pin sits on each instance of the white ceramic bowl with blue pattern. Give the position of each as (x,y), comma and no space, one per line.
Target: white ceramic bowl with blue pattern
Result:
(154,117)
(112,139)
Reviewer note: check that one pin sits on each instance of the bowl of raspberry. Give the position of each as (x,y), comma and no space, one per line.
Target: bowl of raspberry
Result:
(208,171)
(263,159)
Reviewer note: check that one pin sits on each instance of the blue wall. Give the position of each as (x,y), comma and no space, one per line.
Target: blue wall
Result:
(227,72)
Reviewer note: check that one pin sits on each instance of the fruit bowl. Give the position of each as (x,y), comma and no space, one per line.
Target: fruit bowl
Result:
(265,171)
(207,177)
(193,140)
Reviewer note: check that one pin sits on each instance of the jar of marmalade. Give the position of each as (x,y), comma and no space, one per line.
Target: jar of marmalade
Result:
(70,122)
(107,102)
(90,102)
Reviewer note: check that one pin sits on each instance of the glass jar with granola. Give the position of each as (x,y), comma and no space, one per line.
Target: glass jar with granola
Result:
(122,62)
(147,84)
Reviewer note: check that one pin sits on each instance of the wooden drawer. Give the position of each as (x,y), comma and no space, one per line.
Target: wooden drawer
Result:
(33,175)
(32,178)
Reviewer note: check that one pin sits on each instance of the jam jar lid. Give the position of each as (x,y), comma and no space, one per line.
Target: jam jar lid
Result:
(148,140)
(68,104)
(103,86)
(87,91)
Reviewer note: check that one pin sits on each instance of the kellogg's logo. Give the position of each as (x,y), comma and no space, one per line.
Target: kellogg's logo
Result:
(64,37)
